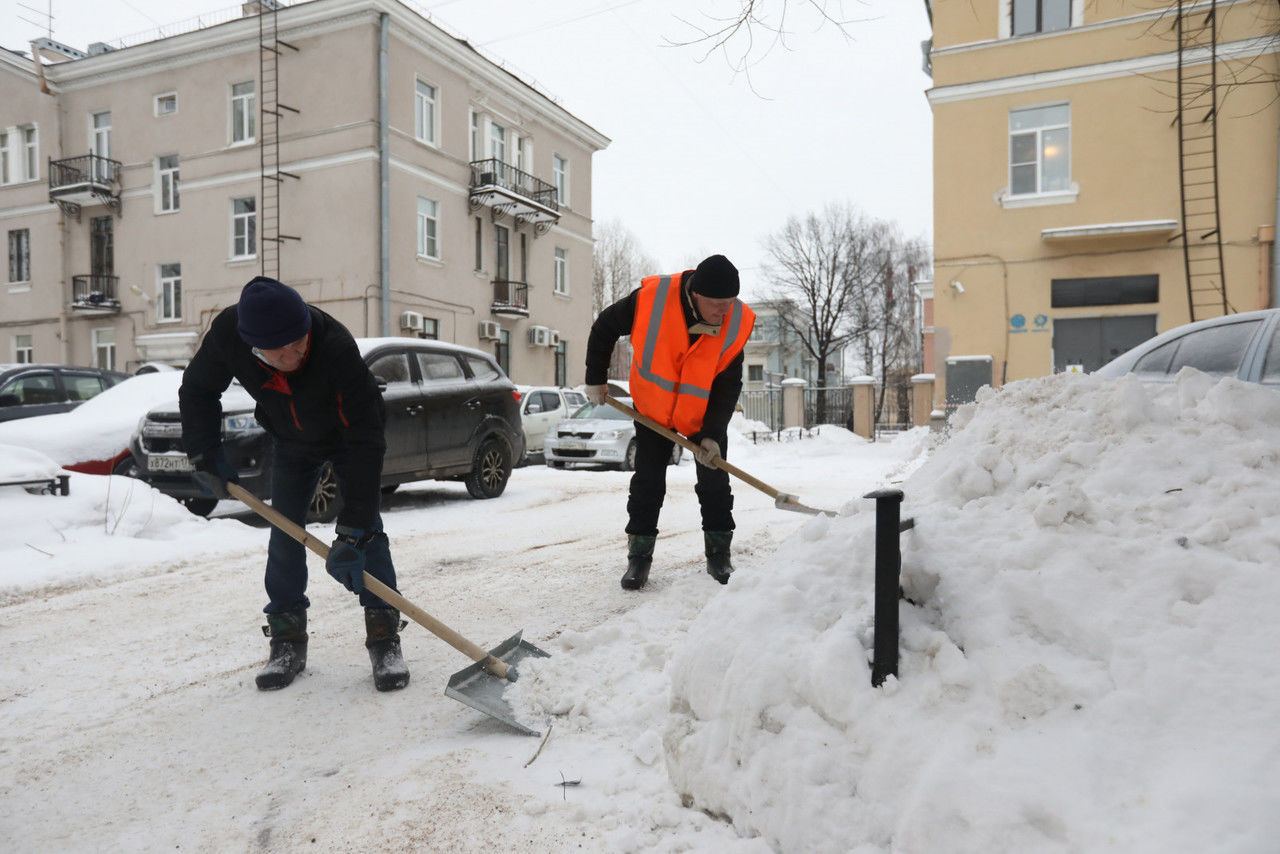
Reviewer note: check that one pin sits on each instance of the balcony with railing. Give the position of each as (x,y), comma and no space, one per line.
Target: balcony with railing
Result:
(510,299)
(85,180)
(505,189)
(95,292)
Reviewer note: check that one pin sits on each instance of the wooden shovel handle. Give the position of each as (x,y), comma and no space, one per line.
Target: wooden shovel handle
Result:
(682,441)
(495,666)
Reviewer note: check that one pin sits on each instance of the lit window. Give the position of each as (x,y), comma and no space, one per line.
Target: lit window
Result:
(1040,150)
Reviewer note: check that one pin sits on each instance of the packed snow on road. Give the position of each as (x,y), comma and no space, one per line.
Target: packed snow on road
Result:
(1087,654)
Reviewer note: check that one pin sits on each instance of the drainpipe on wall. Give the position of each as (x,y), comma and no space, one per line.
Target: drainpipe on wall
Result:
(1275,254)
(384,175)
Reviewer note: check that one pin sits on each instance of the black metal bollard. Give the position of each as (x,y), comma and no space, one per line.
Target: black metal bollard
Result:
(888,570)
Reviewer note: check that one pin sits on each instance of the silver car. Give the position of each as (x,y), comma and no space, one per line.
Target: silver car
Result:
(597,436)
(1246,346)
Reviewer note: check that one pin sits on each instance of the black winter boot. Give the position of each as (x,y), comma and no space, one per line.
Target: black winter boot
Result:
(288,633)
(639,558)
(382,625)
(717,543)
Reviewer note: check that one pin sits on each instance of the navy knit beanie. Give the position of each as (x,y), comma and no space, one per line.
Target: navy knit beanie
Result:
(716,278)
(271,314)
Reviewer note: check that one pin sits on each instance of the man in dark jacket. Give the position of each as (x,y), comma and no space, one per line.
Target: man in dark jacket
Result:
(320,404)
(687,333)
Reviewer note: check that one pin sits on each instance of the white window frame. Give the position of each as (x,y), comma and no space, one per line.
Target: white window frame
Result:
(100,135)
(524,153)
(21,263)
(1005,27)
(7,171)
(30,152)
(164,96)
(560,177)
(477,136)
(169,293)
(103,340)
(1039,192)
(244,229)
(24,352)
(426,112)
(168,198)
(428,228)
(562,271)
(247,103)
(496,141)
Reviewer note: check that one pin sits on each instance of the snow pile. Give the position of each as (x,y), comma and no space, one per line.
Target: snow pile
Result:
(17,463)
(1089,666)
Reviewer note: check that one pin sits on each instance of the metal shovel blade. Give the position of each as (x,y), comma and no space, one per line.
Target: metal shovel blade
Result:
(482,691)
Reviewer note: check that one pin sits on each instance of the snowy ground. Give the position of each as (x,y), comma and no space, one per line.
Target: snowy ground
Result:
(1088,656)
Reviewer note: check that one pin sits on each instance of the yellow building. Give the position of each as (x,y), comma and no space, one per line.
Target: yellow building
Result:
(1103,171)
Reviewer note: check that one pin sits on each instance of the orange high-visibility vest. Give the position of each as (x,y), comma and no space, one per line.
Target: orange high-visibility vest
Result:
(671,378)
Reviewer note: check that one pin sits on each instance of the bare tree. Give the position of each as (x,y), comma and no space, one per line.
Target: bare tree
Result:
(618,266)
(748,32)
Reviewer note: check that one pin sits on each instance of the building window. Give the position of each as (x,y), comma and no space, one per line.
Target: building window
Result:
(19,256)
(167,172)
(428,246)
(244,238)
(477,143)
(430,328)
(502,351)
(562,363)
(501,252)
(479,244)
(166,104)
(1040,150)
(23,352)
(755,373)
(243,112)
(100,133)
(424,112)
(524,257)
(497,142)
(560,177)
(1040,16)
(169,306)
(562,271)
(31,152)
(104,348)
(6,158)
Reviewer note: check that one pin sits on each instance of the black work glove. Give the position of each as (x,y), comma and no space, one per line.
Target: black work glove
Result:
(347,556)
(213,471)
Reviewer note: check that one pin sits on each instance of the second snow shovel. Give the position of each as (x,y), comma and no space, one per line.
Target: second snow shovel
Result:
(479,686)
(781,500)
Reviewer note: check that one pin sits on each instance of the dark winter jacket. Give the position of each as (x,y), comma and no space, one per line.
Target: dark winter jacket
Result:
(331,402)
(617,321)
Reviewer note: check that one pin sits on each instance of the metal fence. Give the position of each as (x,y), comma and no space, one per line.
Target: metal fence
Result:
(831,405)
(763,405)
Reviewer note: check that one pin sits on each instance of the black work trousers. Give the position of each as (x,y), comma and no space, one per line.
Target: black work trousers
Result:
(649,486)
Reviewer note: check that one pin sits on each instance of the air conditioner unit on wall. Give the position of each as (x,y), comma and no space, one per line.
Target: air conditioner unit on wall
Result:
(554,340)
(539,336)
(411,320)
(490,330)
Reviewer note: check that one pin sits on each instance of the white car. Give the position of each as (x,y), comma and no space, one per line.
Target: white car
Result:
(598,436)
(541,408)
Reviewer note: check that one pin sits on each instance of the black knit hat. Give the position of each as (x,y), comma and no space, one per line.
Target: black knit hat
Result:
(716,278)
(271,314)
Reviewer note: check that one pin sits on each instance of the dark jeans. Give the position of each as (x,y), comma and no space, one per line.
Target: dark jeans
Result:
(649,486)
(294,475)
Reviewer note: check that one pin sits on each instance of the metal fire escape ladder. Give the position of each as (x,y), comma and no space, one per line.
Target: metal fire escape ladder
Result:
(270,112)
(1197,121)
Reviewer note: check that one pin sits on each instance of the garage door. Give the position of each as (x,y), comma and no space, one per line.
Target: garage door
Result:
(1094,341)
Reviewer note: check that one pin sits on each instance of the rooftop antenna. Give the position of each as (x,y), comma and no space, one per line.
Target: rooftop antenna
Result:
(46,24)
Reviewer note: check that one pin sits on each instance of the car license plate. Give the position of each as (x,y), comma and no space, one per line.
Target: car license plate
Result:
(572,445)
(172,462)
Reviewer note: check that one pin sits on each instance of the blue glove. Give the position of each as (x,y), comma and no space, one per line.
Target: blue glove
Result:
(346,558)
(213,471)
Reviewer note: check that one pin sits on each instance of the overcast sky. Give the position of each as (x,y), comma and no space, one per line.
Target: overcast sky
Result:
(703,159)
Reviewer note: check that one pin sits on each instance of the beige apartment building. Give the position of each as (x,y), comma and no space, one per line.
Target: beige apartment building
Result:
(1103,171)
(401,181)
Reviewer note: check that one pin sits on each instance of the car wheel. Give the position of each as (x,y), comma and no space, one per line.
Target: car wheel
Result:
(629,458)
(490,471)
(200,506)
(676,452)
(127,467)
(326,501)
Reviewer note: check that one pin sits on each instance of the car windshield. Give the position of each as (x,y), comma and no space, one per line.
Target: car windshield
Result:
(603,410)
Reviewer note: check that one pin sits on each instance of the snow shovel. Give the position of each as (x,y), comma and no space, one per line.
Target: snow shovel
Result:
(479,686)
(781,500)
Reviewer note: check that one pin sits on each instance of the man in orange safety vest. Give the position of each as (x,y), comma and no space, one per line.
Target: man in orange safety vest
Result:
(687,333)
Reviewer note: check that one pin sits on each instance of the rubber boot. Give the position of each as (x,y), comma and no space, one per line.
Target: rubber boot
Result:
(288,633)
(639,557)
(719,566)
(382,627)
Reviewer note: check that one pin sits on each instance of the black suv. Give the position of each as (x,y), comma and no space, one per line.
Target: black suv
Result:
(452,414)
(27,390)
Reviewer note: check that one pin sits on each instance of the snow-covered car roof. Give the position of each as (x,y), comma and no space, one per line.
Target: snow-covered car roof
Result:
(368,345)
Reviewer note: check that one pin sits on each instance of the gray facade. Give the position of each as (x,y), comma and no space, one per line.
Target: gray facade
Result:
(483,237)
